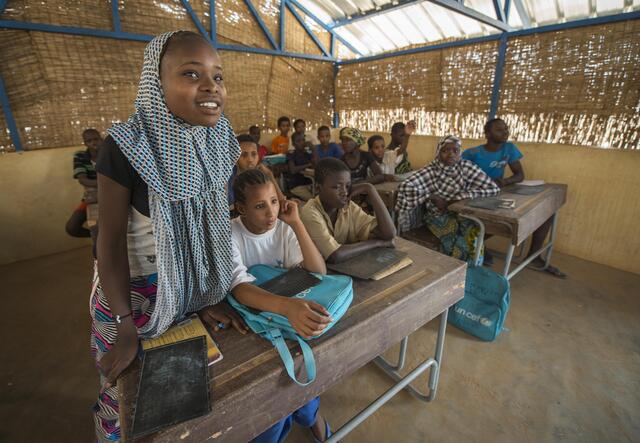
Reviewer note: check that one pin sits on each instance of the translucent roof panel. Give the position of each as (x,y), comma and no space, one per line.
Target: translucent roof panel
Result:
(376,26)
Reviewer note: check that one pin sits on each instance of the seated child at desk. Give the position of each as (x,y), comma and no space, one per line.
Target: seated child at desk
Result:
(249,160)
(254,132)
(445,180)
(339,227)
(300,127)
(492,158)
(356,160)
(400,134)
(280,144)
(326,148)
(298,161)
(384,158)
(269,232)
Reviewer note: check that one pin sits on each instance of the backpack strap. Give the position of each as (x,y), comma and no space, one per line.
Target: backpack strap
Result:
(277,339)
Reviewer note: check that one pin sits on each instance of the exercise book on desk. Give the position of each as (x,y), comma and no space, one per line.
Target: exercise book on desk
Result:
(526,190)
(190,328)
(173,386)
(374,264)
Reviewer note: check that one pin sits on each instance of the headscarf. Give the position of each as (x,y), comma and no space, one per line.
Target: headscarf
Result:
(460,181)
(353,134)
(186,169)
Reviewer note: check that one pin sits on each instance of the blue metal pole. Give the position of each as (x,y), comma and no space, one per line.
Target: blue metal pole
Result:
(195,19)
(324,26)
(8,116)
(264,28)
(115,16)
(238,48)
(497,78)
(89,32)
(499,12)
(332,48)
(336,117)
(283,11)
(308,31)
(212,22)
(507,9)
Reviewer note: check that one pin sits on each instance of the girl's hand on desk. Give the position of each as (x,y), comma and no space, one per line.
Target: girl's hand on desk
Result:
(220,316)
(307,317)
(121,354)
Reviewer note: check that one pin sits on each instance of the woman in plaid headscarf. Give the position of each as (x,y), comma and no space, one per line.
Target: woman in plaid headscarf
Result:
(446,179)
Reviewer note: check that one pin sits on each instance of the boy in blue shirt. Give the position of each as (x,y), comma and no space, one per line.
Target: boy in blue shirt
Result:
(326,148)
(493,157)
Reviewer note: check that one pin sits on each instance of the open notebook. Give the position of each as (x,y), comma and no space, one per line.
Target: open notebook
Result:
(374,264)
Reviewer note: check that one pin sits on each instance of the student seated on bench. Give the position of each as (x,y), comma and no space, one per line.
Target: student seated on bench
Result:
(269,232)
(338,226)
(493,157)
(445,180)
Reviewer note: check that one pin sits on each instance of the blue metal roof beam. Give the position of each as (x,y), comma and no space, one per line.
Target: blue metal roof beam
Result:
(452,5)
(324,26)
(310,33)
(115,16)
(195,19)
(500,15)
(8,117)
(635,15)
(264,28)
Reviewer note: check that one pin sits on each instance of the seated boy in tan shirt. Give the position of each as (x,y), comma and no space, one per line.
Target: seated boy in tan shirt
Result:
(338,226)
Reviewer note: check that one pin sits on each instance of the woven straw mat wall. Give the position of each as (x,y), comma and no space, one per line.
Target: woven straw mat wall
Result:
(59,84)
(578,87)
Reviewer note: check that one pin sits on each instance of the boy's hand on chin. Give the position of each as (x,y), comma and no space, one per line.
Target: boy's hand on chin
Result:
(360,189)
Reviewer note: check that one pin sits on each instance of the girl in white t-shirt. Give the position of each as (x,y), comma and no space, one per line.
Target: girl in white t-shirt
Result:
(270,232)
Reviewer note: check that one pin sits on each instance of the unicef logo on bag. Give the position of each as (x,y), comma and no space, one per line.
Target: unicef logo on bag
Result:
(303,293)
(484,321)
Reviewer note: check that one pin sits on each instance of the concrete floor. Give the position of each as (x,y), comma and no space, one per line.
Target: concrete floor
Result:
(567,369)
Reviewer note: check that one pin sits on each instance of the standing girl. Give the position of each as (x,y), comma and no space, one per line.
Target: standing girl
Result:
(163,211)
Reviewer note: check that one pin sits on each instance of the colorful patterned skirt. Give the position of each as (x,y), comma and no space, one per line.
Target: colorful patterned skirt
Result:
(103,337)
(458,236)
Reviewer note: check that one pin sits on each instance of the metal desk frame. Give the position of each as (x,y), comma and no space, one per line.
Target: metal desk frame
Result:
(393,371)
(548,248)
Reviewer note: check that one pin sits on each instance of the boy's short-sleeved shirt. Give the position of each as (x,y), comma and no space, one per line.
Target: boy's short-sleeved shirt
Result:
(280,145)
(82,164)
(334,151)
(352,225)
(493,163)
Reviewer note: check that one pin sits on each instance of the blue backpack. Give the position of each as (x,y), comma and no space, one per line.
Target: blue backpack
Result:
(484,308)
(334,292)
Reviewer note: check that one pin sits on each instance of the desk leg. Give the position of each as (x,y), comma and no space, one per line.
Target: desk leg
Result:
(401,382)
(480,243)
(507,260)
(552,240)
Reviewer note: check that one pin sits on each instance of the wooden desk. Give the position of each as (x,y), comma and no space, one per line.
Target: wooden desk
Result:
(519,223)
(388,192)
(251,390)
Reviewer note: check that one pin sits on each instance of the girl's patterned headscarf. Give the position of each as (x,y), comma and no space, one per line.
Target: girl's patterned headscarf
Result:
(353,134)
(186,169)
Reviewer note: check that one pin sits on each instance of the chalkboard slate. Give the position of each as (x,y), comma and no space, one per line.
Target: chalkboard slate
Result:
(369,263)
(173,386)
(527,190)
(490,203)
(291,283)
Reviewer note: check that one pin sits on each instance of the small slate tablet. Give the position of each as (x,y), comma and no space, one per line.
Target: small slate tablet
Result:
(173,387)
(291,283)
(369,263)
